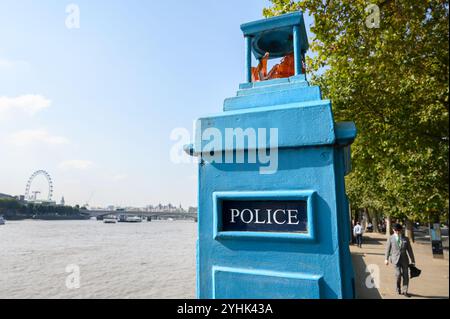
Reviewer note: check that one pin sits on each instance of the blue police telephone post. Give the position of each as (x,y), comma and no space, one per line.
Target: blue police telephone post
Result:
(274,217)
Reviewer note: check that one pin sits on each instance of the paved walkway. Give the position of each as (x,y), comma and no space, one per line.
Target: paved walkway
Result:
(432,284)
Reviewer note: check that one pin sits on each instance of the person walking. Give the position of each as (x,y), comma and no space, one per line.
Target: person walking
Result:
(358,232)
(399,252)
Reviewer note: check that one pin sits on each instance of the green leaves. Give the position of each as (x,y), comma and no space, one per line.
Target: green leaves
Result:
(392,81)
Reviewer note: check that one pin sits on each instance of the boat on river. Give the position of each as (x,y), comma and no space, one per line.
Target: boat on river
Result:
(133,219)
(110,219)
(129,219)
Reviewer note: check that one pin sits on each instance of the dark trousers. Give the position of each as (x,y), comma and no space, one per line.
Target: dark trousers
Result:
(359,240)
(402,272)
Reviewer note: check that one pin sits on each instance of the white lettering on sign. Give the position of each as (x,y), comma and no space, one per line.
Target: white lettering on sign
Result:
(257,218)
(292,217)
(280,216)
(234,213)
(287,216)
(250,213)
(276,218)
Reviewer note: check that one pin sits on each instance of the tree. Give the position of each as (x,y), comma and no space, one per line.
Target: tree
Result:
(385,66)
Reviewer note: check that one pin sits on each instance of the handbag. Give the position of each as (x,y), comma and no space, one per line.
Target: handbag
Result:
(414,271)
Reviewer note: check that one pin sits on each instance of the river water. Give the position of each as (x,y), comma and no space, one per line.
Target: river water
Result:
(42,259)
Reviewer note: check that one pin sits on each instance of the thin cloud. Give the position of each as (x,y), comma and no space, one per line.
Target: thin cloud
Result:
(76,164)
(35,137)
(29,104)
(120,177)
(6,64)
(10,64)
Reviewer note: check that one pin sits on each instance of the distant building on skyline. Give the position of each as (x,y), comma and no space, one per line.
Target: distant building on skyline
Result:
(5,196)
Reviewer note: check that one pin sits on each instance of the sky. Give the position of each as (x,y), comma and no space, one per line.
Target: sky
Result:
(95,105)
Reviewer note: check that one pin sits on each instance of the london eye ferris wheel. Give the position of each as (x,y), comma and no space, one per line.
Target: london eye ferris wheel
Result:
(31,195)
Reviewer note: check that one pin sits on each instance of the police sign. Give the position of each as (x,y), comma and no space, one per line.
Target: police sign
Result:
(265,216)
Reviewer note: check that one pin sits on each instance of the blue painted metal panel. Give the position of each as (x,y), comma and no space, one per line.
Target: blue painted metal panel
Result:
(303,89)
(248,59)
(345,133)
(270,96)
(264,25)
(292,121)
(278,30)
(300,168)
(258,284)
(292,79)
(298,53)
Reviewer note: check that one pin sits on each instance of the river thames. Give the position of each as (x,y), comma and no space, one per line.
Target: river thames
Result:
(147,260)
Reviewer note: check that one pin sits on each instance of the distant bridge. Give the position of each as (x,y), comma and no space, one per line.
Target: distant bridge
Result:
(152,215)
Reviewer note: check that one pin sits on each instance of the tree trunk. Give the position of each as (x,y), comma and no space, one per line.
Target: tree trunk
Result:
(352,238)
(365,219)
(356,218)
(410,230)
(388,226)
(375,221)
